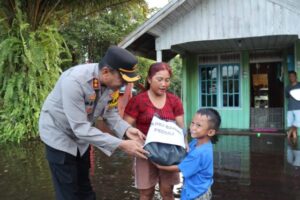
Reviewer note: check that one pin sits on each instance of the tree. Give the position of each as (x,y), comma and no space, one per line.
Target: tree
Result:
(89,37)
(32,52)
(42,12)
(176,64)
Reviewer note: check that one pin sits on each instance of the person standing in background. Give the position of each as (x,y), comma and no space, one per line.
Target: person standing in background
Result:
(293,114)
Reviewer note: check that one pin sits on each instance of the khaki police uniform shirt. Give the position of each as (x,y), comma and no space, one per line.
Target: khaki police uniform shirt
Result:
(67,116)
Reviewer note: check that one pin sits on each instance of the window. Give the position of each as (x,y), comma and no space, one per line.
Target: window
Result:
(220,83)
(209,86)
(230,85)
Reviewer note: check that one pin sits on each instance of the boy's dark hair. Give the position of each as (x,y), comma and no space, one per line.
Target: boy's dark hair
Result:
(213,116)
(292,72)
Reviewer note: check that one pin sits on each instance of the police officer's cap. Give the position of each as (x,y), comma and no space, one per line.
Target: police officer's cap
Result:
(122,60)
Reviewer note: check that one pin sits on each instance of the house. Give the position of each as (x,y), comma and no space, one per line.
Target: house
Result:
(236,55)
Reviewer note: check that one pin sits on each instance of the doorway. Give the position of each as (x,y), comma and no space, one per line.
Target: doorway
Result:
(266,96)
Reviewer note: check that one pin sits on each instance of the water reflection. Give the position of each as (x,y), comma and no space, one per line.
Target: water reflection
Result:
(24,173)
(251,167)
(293,153)
(246,167)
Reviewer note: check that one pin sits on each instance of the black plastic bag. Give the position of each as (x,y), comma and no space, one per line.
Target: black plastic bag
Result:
(165,154)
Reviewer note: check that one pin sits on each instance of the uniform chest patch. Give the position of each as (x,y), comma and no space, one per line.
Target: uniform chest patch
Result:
(114,99)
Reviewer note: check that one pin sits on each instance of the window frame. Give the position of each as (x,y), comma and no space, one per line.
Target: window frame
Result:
(221,92)
(201,81)
(218,62)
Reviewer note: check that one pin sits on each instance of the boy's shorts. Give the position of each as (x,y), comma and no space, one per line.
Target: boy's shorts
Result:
(293,118)
(206,196)
(148,175)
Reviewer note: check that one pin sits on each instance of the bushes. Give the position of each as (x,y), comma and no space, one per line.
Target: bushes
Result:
(29,66)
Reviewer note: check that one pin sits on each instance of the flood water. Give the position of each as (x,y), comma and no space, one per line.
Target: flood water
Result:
(246,167)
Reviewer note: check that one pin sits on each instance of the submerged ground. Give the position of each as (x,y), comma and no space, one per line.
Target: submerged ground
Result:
(258,167)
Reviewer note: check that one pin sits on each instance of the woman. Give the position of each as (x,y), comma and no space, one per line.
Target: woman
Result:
(139,112)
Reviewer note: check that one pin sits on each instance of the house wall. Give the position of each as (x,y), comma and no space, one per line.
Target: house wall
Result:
(238,118)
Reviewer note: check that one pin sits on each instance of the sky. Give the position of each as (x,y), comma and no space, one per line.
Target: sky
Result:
(156,3)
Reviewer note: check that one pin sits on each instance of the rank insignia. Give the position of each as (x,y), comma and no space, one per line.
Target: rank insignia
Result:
(114,99)
(96,84)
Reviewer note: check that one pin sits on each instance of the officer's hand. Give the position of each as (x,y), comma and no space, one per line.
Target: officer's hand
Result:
(133,148)
(135,134)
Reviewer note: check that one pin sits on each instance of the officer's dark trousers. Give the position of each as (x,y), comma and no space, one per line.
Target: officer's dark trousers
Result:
(70,175)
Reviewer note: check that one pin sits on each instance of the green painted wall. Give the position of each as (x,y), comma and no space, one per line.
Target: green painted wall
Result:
(238,118)
(297,65)
(297,58)
(190,86)
(285,82)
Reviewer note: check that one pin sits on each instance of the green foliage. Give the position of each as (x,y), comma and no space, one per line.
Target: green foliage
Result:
(29,66)
(88,37)
(176,64)
(144,65)
(44,12)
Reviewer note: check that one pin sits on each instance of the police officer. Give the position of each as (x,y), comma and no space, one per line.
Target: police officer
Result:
(81,95)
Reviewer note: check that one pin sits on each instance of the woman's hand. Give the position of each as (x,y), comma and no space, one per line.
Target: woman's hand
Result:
(187,147)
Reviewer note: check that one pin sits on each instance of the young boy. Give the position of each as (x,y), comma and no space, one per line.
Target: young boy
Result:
(197,166)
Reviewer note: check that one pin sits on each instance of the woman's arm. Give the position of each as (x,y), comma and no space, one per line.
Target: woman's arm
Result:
(139,136)
(129,119)
(180,122)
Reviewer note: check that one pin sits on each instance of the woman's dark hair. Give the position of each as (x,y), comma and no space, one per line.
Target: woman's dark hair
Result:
(154,68)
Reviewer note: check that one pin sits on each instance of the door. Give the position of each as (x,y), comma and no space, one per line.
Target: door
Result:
(267,96)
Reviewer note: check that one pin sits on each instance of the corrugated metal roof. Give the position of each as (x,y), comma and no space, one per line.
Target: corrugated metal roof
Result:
(169,26)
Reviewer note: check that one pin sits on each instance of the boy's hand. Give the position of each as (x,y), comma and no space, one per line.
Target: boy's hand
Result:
(157,165)
(172,168)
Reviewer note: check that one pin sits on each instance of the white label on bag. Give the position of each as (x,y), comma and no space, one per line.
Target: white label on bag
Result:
(165,132)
